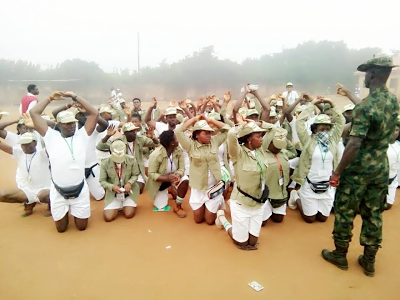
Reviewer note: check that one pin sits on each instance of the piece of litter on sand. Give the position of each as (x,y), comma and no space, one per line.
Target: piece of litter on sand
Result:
(149,231)
(168,247)
(256,286)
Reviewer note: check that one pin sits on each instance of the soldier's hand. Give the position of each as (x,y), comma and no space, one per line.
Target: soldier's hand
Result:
(334,180)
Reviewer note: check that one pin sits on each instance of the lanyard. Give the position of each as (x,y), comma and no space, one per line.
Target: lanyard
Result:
(171,161)
(119,172)
(280,165)
(28,168)
(71,148)
(397,153)
(131,150)
(323,157)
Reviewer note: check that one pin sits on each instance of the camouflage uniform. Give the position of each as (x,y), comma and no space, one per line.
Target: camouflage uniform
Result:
(364,183)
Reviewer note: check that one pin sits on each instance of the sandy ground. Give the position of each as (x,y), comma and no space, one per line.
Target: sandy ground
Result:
(159,256)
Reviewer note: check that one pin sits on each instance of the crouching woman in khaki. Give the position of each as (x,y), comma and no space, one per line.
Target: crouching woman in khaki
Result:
(118,176)
(166,169)
(205,171)
(249,193)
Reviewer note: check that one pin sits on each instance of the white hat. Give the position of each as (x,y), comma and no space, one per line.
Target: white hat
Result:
(122,100)
(26,138)
(129,126)
(349,107)
(289,84)
(170,111)
(118,150)
(106,109)
(66,117)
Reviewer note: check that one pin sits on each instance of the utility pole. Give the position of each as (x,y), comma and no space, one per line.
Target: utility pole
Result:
(138,53)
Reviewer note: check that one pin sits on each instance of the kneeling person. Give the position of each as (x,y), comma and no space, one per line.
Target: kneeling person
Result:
(118,176)
(166,169)
(33,174)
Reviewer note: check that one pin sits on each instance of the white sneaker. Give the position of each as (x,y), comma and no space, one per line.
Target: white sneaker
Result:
(292,200)
(217,221)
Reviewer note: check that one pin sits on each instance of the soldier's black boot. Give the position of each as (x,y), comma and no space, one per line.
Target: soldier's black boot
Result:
(367,261)
(337,256)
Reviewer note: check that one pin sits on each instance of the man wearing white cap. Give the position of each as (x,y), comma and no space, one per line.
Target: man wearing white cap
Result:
(33,175)
(290,94)
(348,112)
(118,176)
(67,155)
(160,127)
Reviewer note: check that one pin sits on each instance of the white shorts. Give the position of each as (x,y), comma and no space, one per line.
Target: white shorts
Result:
(161,198)
(140,179)
(245,221)
(95,188)
(80,207)
(118,204)
(391,196)
(313,203)
(269,210)
(32,195)
(200,198)
(145,162)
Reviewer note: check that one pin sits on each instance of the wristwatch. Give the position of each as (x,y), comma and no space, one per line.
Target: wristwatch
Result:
(74,98)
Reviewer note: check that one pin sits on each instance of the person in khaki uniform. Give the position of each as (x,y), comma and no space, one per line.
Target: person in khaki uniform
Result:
(278,152)
(205,170)
(247,199)
(317,161)
(134,145)
(166,169)
(118,177)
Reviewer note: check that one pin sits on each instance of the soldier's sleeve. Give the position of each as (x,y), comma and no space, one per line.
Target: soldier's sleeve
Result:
(361,122)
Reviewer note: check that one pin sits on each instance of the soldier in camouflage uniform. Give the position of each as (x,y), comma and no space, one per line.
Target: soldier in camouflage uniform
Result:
(364,170)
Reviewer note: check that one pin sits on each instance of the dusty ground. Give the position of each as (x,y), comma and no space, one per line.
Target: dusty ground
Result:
(159,256)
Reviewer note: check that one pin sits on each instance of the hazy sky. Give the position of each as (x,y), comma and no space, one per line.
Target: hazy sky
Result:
(51,31)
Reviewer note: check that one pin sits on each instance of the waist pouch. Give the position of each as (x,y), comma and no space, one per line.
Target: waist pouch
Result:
(392,179)
(275,203)
(89,171)
(71,192)
(216,190)
(318,187)
(264,196)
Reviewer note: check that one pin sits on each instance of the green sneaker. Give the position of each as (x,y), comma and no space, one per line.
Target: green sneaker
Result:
(166,208)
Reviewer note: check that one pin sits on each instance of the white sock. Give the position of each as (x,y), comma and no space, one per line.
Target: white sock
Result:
(225,222)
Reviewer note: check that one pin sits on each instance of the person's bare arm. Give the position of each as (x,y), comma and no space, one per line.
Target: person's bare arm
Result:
(345,92)
(3,125)
(102,124)
(349,154)
(288,111)
(182,104)
(6,148)
(36,112)
(63,107)
(147,118)
(238,104)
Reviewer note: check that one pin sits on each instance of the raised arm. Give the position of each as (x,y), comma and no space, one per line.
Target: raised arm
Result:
(57,110)
(337,130)
(345,92)
(6,148)
(182,104)
(147,118)
(288,111)
(238,104)
(3,125)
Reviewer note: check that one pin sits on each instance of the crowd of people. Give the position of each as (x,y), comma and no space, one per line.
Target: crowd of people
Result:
(288,149)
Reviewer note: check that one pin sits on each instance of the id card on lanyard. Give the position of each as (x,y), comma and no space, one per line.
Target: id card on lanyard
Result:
(74,165)
(281,178)
(28,167)
(323,172)
(119,171)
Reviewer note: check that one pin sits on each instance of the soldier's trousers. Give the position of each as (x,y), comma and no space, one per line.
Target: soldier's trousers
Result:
(369,199)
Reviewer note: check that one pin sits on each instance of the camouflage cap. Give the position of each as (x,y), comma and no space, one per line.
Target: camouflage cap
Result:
(385,61)
(323,119)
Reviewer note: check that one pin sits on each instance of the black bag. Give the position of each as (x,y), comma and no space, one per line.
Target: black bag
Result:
(275,203)
(71,192)
(318,187)
(392,179)
(264,196)
(89,171)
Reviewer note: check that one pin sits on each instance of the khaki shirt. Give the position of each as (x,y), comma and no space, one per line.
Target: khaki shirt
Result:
(140,142)
(309,142)
(158,161)
(203,157)
(109,178)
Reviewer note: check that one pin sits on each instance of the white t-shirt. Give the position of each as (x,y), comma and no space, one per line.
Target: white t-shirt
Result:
(393,154)
(320,170)
(33,169)
(12,139)
(160,128)
(171,168)
(341,148)
(91,158)
(292,97)
(113,94)
(67,170)
(221,151)
(295,137)
(104,154)
(131,149)
(119,95)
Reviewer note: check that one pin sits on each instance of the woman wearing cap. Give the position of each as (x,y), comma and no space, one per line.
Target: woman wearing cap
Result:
(33,175)
(278,152)
(118,177)
(318,159)
(393,154)
(205,176)
(166,170)
(250,191)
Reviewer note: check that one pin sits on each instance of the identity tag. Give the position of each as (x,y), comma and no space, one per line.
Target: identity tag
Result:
(281,181)
(74,166)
